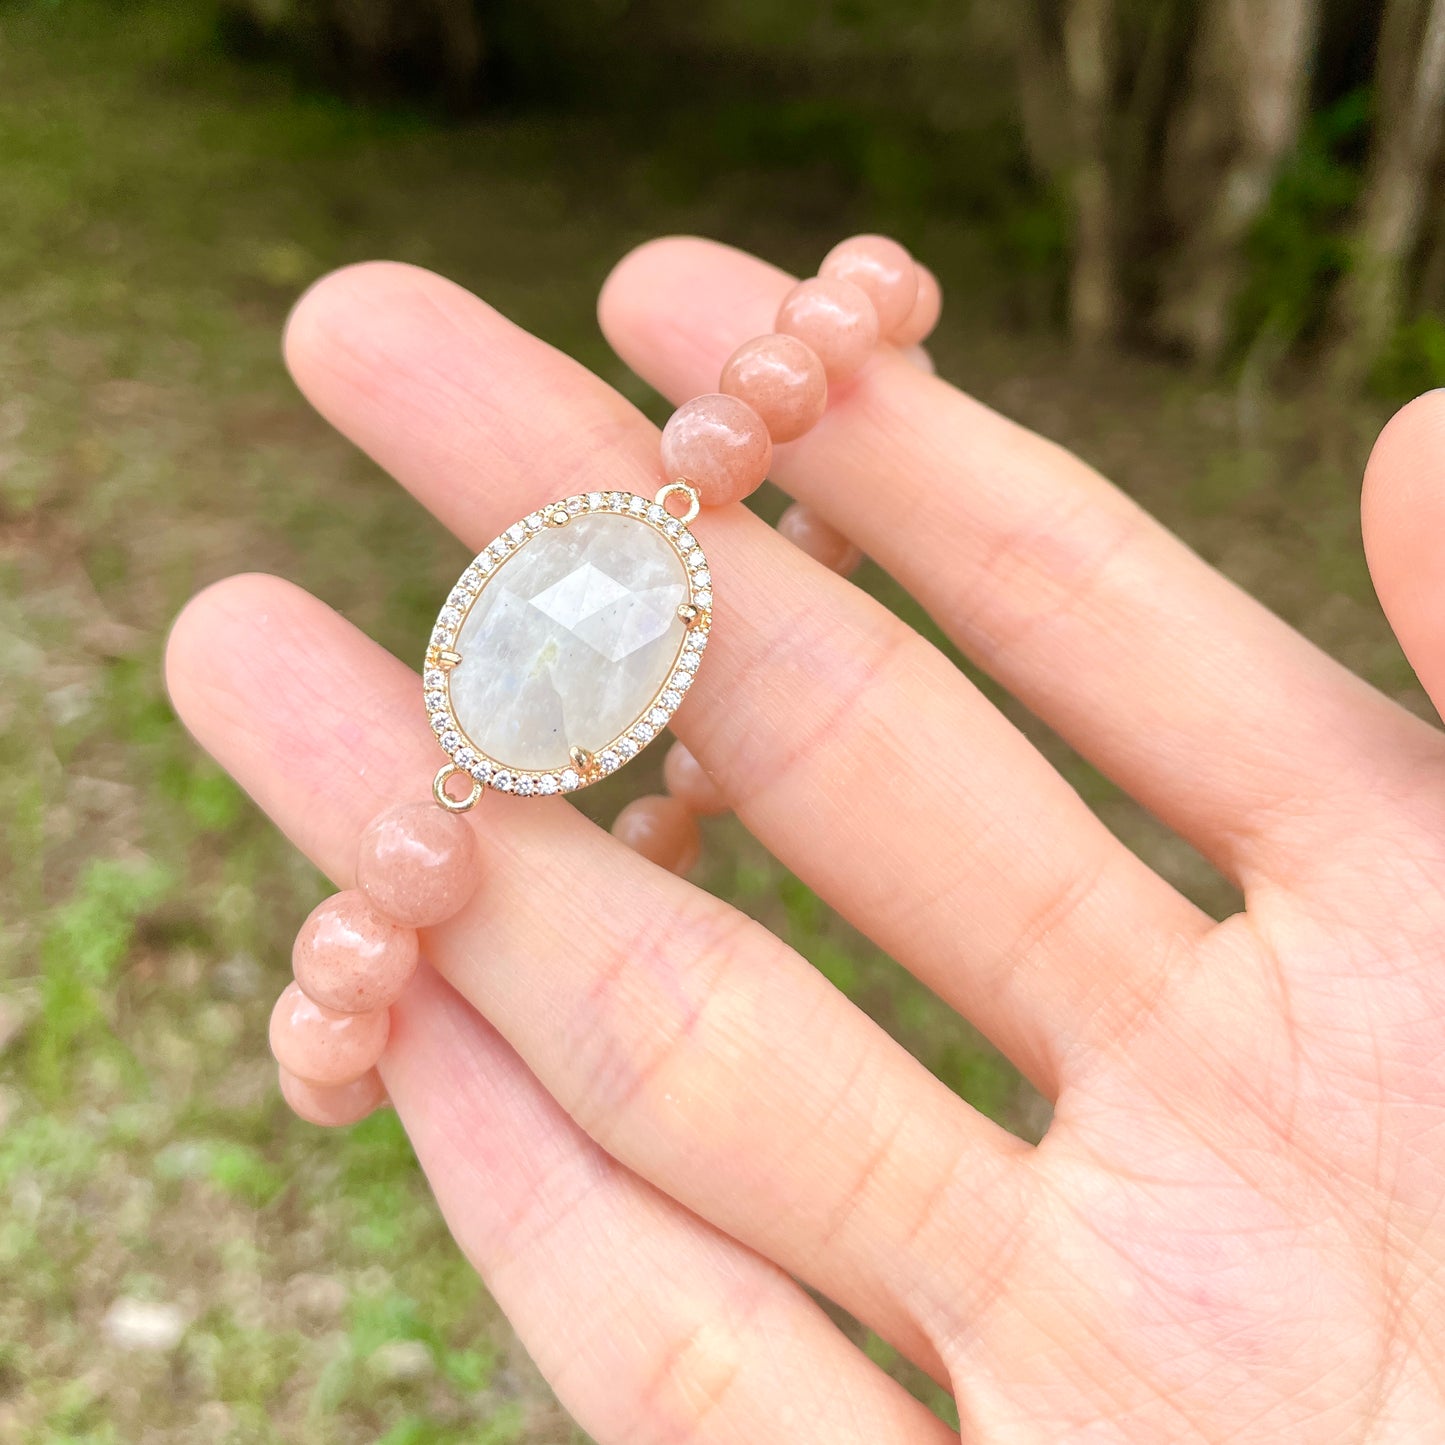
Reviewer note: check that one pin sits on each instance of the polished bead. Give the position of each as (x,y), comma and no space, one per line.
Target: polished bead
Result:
(661,830)
(880,268)
(689,784)
(809,533)
(322,1046)
(333,1106)
(347,957)
(782,380)
(720,445)
(925,313)
(835,319)
(417,864)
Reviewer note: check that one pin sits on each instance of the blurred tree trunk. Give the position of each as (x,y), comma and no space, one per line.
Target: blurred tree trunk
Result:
(1409,96)
(1067,79)
(1239,119)
(1089,64)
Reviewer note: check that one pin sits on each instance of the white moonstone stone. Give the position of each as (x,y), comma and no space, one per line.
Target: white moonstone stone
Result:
(570,640)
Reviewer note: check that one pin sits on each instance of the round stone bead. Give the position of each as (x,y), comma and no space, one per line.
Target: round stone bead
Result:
(927,308)
(720,445)
(322,1046)
(336,1105)
(782,380)
(662,831)
(689,784)
(835,319)
(348,958)
(880,268)
(809,533)
(417,864)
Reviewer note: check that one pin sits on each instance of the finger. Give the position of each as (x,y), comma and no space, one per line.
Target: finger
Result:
(847,745)
(689,1042)
(650,1325)
(1211,711)
(1403,513)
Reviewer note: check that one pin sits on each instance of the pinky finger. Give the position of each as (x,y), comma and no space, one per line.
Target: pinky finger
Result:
(649,1324)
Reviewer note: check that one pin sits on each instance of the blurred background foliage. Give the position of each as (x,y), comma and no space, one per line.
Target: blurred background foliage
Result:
(1238,203)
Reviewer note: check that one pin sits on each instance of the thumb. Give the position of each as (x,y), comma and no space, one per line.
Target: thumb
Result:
(1403,516)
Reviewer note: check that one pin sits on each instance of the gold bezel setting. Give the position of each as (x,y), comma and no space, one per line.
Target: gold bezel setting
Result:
(442,654)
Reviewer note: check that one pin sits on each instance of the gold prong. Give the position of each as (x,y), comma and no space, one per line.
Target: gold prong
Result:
(583,761)
(448,659)
(688,613)
(558,517)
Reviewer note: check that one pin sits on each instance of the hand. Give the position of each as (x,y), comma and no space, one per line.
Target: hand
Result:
(645,1118)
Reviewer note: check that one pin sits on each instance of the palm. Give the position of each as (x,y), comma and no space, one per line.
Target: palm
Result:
(1230,1230)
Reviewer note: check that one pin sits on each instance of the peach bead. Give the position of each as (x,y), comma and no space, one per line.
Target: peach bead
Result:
(809,533)
(661,830)
(417,864)
(925,313)
(880,268)
(836,319)
(322,1046)
(336,1105)
(782,380)
(689,784)
(720,445)
(347,957)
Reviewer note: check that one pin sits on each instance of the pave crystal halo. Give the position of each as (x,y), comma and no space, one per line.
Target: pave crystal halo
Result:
(568,643)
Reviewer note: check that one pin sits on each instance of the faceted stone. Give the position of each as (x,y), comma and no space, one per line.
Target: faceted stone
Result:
(570,640)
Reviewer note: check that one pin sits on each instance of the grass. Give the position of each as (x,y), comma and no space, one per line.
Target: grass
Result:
(163,208)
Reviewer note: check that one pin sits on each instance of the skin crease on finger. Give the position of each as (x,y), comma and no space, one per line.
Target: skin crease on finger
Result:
(1232,1232)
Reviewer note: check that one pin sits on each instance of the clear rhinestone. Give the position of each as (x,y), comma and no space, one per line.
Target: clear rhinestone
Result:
(594,501)
(440,722)
(441,637)
(570,780)
(535,521)
(576,504)
(451,740)
(697,560)
(680,681)
(690,660)
(547,784)
(644,732)
(702,577)
(702,599)
(674,528)
(658,717)
(434,677)
(524,787)
(656,513)
(627,748)
(608,761)
(686,540)
(672,700)
(484,563)
(436,701)
(502,781)
(481,770)
(465,759)
(637,505)
(471,579)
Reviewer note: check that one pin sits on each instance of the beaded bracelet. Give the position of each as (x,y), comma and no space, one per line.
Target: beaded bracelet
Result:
(564,650)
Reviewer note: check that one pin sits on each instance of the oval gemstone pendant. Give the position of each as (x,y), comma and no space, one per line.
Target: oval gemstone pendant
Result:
(569,642)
